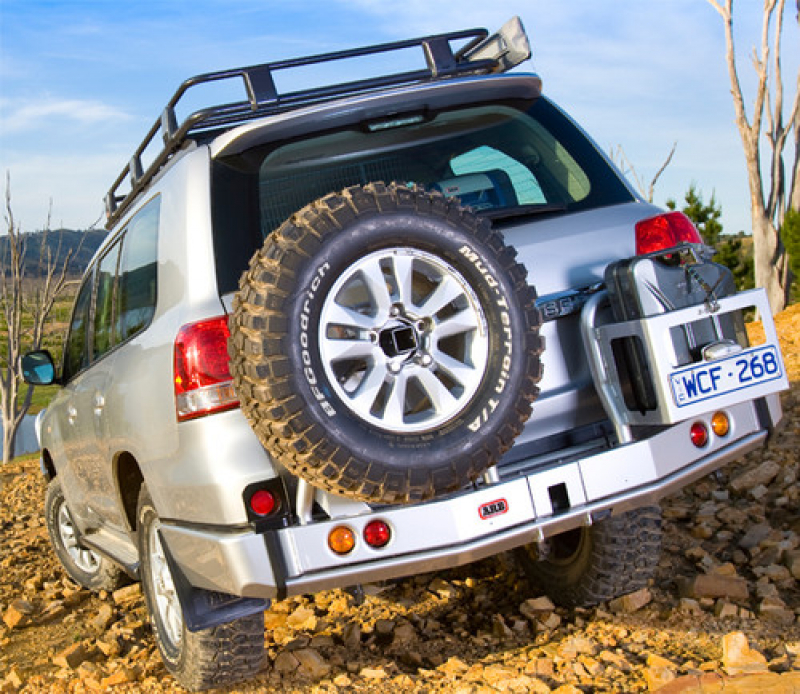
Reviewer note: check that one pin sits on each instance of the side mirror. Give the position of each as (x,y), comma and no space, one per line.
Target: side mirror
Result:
(38,368)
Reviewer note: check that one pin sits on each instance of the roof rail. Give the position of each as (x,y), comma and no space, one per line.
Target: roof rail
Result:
(482,54)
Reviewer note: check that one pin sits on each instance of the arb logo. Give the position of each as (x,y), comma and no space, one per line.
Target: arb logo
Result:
(493,508)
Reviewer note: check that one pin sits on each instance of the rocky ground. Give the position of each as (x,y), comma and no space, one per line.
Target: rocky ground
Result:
(723,613)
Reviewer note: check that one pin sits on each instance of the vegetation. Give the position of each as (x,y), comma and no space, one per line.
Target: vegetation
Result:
(734,252)
(791,239)
(27,310)
(773,191)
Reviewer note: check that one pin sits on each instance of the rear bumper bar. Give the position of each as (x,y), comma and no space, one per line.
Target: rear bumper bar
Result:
(468,526)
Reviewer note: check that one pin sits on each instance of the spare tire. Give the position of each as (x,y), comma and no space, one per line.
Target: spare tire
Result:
(384,344)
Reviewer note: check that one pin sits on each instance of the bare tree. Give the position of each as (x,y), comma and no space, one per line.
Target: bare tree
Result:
(647,191)
(24,308)
(769,196)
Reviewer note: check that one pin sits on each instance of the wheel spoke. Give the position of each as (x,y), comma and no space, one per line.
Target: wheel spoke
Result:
(462,322)
(375,281)
(457,370)
(338,350)
(85,559)
(447,291)
(403,268)
(367,392)
(395,410)
(336,314)
(441,398)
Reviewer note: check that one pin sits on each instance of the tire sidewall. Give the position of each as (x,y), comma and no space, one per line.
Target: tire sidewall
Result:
(567,572)
(455,244)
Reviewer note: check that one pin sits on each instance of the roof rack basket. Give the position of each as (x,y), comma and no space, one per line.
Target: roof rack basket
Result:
(482,54)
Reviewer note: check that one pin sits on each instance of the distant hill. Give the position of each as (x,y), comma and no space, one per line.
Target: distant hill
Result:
(83,244)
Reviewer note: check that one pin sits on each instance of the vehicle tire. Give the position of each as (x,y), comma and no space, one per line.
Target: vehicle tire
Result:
(384,344)
(204,659)
(592,564)
(84,566)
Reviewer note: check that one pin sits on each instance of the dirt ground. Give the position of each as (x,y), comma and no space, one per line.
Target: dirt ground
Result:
(723,613)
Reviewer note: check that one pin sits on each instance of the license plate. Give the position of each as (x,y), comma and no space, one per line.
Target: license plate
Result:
(738,372)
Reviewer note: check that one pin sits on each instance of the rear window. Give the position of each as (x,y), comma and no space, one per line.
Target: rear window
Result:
(496,158)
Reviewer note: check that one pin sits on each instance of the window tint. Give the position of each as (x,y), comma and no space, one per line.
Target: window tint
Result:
(104,338)
(491,157)
(76,355)
(490,162)
(137,273)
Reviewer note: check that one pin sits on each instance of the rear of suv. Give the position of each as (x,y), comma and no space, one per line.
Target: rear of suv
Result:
(306,355)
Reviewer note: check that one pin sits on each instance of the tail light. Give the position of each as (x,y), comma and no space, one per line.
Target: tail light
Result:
(377,534)
(203,383)
(698,433)
(665,231)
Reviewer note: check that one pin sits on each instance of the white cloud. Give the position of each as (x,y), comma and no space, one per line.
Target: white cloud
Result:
(18,115)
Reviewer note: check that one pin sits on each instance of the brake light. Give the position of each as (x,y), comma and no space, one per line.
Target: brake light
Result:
(698,433)
(377,534)
(665,231)
(203,383)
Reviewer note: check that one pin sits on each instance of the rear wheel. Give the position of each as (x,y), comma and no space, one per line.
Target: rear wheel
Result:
(202,659)
(592,564)
(85,566)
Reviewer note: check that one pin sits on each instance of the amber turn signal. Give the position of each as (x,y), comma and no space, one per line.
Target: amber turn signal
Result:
(720,424)
(341,539)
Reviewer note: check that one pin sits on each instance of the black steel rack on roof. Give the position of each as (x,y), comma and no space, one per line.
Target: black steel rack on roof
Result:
(482,54)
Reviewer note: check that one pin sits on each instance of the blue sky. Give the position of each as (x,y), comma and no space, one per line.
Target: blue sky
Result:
(82,81)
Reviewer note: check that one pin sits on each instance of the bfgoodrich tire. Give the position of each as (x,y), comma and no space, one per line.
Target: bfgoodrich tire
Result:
(203,659)
(84,566)
(592,564)
(384,344)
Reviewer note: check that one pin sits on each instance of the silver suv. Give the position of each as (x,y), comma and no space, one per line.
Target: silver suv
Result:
(305,356)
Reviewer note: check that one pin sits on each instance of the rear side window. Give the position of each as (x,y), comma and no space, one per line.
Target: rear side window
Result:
(117,299)
(137,272)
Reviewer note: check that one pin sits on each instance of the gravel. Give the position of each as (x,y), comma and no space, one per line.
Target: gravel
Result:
(722,612)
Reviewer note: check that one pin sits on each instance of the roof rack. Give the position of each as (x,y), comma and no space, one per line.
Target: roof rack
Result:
(482,54)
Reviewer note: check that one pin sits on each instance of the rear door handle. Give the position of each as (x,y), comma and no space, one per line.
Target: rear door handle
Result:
(99,404)
(72,414)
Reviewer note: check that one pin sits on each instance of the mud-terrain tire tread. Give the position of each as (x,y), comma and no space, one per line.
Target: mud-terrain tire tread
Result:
(617,556)
(263,375)
(108,576)
(209,658)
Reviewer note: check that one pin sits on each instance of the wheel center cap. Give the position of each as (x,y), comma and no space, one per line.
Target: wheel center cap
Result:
(398,340)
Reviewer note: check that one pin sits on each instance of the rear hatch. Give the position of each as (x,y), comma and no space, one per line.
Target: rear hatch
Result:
(517,159)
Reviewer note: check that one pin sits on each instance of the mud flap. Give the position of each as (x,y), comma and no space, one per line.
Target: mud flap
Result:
(203,609)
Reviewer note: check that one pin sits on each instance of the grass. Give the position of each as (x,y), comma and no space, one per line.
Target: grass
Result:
(42,395)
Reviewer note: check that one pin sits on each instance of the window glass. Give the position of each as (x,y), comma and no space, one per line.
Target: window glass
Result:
(488,161)
(76,355)
(137,273)
(492,157)
(104,338)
